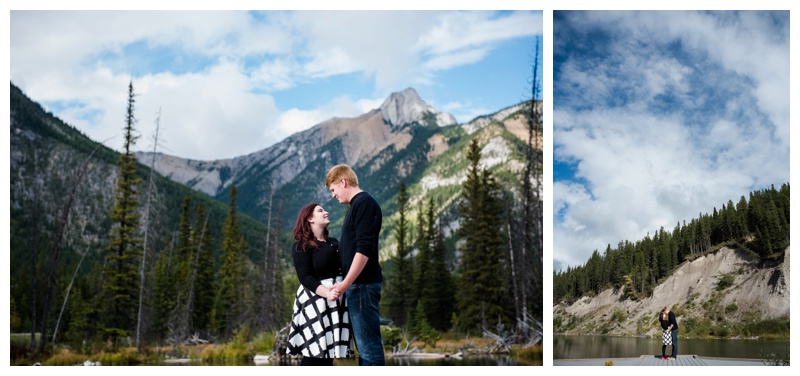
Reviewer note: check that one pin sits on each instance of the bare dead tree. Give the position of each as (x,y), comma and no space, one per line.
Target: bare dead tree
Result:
(513,266)
(536,147)
(58,239)
(531,251)
(186,319)
(146,225)
(66,296)
(269,266)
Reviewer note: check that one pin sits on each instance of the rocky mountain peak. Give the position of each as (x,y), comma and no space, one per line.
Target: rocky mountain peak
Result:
(406,107)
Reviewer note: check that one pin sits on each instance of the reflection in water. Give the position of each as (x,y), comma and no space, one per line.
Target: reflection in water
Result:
(586,347)
(467,361)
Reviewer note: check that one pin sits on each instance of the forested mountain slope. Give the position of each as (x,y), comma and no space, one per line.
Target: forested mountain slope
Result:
(725,273)
(728,292)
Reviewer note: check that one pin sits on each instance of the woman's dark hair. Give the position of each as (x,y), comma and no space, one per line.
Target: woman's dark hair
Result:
(302,233)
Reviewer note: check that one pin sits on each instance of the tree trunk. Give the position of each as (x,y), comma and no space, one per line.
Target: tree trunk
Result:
(62,224)
(146,224)
(66,297)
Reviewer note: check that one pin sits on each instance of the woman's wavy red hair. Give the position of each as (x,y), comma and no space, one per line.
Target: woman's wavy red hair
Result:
(302,233)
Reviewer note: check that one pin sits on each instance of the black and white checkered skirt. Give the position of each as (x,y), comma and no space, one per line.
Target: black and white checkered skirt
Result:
(320,328)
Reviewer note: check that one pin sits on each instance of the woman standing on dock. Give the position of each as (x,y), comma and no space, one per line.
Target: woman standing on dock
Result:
(670,325)
(320,328)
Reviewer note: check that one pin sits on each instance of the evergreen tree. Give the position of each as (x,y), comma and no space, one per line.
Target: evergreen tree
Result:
(229,302)
(398,291)
(441,282)
(420,326)
(165,292)
(434,282)
(204,284)
(760,223)
(482,288)
(120,286)
(185,247)
(420,259)
(422,274)
(181,317)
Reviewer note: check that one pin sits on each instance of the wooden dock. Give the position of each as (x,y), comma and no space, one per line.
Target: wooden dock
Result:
(656,361)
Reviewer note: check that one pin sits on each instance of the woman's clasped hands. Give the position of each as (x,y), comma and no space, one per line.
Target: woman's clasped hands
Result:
(333,294)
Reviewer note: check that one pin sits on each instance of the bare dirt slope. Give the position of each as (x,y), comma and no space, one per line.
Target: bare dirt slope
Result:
(758,289)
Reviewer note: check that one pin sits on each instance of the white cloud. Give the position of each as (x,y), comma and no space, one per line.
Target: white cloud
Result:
(723,133)
(225,106)
(207,116)
(644,172)
(296,120)
(276,74)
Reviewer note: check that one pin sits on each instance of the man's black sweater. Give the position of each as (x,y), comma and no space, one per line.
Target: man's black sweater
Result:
(360,232)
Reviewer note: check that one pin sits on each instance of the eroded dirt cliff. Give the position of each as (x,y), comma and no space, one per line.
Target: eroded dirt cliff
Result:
(759,290)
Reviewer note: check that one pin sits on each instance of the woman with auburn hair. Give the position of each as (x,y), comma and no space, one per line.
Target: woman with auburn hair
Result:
(320,328)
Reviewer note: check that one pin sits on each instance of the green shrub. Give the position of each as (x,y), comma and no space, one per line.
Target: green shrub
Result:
(392,337)
(771,328)
(721,331)
(618,316)
(731,308)
(264,342)
(696,327)
(724,280)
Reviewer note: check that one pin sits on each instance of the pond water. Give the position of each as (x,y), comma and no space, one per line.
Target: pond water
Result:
(465,361)
(584,347)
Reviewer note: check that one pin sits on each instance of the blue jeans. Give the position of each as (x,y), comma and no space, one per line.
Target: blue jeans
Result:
(674,343)
(362,301)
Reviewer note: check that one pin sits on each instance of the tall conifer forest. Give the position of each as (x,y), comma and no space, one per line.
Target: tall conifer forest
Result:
(758,223)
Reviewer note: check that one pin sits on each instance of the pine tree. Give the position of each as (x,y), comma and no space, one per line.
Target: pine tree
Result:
(181,318)
(482,288)
(204,284)
(422,273)
(229,307)
(120,286)
(397,291)
(165,292)
(441,282)
(428,286)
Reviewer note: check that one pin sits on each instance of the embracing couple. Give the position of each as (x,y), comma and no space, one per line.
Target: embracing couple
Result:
(340,280)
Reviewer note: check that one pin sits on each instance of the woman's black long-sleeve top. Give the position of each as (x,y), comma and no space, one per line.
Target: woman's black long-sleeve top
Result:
(314,265)
(670,320)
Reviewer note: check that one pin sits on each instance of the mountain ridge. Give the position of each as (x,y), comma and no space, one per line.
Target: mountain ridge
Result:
(365,135)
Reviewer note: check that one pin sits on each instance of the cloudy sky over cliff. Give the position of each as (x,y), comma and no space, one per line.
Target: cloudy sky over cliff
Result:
(659,116)
(230,83)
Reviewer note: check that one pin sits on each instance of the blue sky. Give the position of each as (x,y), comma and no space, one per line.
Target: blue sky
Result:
(662,115)
(229,83)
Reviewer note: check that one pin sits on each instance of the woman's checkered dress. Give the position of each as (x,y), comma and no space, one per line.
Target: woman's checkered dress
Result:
(320,328)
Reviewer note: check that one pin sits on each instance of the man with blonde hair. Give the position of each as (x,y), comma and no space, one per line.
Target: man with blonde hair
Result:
(358,250)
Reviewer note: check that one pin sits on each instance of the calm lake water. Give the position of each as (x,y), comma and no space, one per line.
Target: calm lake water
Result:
(582,347)
(466,361)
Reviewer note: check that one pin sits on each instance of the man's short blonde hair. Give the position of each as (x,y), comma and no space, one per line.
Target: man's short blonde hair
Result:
(340,172)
